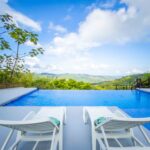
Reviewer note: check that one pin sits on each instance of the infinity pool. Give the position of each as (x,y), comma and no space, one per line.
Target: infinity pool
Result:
(135,103)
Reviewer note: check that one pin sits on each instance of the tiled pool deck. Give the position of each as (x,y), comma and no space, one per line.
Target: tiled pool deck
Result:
(76,134)
(10,94)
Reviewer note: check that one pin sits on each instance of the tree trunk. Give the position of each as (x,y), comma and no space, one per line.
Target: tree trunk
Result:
(15,63)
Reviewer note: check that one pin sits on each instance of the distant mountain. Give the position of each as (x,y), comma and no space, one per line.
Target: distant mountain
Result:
(81,77)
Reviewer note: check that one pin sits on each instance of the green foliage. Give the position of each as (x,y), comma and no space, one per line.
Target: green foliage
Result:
(30,80)
(21,36)
(13,63)
(36,51)
(126,82)
(47,83)
(7,26)
(4,44)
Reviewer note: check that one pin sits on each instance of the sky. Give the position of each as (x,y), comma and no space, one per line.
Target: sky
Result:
(98,37)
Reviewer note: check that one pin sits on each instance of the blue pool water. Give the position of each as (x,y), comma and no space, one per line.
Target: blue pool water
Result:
(135,103)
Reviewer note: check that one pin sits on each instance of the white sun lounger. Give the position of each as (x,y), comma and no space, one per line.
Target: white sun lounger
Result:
(114,126)
(46,125)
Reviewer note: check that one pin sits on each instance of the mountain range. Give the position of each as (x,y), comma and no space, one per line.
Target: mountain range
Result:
(81,77)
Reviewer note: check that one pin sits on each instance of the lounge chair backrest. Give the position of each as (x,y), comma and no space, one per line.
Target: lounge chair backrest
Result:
(121,124)
(34,126)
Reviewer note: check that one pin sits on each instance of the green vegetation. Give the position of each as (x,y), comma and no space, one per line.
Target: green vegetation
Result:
(126,82)
(11,54)
(12,67)
(31,80)
(46,83)
(14,73)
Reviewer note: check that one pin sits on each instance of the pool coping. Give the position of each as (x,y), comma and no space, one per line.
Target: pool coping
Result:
(29,91)
(147,90)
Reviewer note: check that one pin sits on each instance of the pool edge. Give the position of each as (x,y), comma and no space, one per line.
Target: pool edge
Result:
(15,98)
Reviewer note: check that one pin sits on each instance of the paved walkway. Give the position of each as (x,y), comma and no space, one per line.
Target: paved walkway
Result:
(10,94)
(77,135)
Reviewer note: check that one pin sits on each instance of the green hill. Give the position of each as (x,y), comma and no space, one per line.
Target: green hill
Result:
(123,82)
(81,77)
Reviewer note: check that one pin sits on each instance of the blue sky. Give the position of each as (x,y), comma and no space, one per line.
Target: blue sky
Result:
(105,37)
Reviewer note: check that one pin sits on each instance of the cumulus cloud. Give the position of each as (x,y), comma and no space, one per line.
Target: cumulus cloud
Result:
(120,26)
(103,27)
(57,28)
(34,64)
(79,64)
(100,27)
(18,16)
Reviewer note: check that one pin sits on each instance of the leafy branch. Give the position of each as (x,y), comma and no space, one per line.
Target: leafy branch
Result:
(14,63)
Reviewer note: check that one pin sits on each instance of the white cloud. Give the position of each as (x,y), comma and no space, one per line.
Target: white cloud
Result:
(57,28)
(79,64)
(106,27)
(120,26)
(101,27)
(34,64)
(101,4)
(18,17)
(85,64)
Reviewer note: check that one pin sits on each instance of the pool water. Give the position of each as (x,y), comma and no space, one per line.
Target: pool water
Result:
(135,103)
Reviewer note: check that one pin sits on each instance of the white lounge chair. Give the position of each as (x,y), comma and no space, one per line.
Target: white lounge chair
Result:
(116,127)
(45,125)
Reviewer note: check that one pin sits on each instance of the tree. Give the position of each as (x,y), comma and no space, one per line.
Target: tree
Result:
(7,25)
(13,62)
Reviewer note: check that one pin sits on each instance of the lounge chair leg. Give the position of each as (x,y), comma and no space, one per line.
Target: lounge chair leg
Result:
(60,140)
(105,139)
(14,145)
(133,141)
(7,139)
(144,134)
(53,140)
(93,141)
(60,144)
(35,145)
(101,144)
(17,145)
